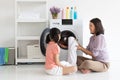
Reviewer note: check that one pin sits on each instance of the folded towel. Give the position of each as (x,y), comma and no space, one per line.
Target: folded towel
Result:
(6,55)
(2,54)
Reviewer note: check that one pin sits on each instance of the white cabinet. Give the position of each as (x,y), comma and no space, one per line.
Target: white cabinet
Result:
(30,20)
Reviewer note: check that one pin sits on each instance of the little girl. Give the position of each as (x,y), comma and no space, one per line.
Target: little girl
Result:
(53,66)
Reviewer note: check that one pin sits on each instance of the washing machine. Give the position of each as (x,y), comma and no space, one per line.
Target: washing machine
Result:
(68,27)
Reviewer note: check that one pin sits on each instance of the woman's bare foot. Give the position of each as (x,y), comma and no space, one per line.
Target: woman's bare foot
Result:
(85,71)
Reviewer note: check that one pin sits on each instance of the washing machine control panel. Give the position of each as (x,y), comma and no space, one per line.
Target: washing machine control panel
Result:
(61,22)
(67,22)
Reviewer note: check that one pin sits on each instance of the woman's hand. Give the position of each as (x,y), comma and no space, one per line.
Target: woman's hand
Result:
(79,47)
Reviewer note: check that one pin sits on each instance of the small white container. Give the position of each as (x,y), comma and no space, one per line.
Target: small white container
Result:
(33,51)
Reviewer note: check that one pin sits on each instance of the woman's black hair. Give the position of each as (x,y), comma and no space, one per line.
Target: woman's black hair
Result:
(53,35)
(98,26)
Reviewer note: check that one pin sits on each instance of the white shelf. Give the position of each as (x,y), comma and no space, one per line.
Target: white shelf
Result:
(24,60)
(31,0)
(31,20)
(28,37)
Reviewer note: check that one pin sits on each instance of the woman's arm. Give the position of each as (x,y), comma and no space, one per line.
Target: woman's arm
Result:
(57,61)
(79,47)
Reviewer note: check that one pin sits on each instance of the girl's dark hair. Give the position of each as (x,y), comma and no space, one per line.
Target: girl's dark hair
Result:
(98,26)
(53,35)
(48,38)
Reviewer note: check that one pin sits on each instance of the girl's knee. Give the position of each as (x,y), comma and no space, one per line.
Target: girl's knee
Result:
(74,69)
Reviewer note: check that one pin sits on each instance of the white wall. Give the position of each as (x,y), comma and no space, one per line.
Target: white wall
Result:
(107,10)
(7,23)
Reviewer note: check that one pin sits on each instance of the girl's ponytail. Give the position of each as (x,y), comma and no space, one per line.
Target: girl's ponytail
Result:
(48,38)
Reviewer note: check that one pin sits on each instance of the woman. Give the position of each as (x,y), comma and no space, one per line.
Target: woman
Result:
(96,49)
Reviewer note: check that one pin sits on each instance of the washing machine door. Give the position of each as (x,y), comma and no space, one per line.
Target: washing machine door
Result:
(63,43)
(43,40)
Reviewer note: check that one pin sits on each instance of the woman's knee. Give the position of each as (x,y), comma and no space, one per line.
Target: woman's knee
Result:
(87,63)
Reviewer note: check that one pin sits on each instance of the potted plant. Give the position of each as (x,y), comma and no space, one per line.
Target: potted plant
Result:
(54,11)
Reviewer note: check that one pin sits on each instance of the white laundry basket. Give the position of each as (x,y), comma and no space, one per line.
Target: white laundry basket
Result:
(33,51)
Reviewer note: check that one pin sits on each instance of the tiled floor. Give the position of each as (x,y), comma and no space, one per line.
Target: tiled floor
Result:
(36,72)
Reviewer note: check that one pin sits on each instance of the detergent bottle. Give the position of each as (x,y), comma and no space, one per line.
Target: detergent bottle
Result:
(75,13)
